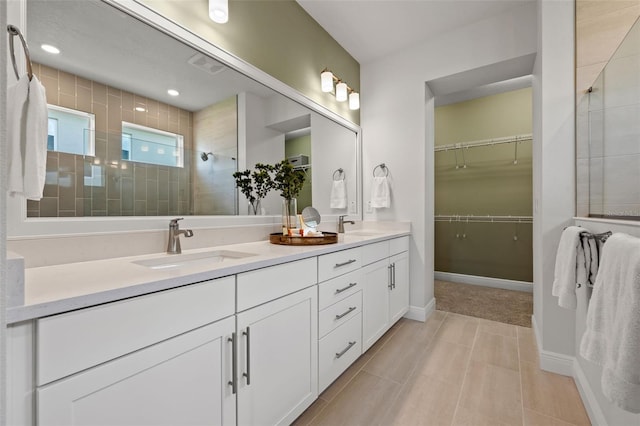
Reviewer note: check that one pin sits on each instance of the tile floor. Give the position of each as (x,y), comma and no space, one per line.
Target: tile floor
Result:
(451,370)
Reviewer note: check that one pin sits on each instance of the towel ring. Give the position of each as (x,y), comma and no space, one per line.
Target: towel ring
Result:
(14,31)
(383,167)
(340,173)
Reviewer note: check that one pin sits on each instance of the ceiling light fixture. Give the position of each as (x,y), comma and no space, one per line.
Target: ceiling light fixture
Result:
(140,109)
(219,11)
(50,49)
(173,92)
(342,90)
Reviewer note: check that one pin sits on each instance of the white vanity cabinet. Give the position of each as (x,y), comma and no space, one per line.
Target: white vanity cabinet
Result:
(277,354)
(142,361)
(385,287)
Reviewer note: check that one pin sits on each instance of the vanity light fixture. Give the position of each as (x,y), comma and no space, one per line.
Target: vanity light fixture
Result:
(50,49)
(140,109)
(342,90)
(173,92)
(219,11)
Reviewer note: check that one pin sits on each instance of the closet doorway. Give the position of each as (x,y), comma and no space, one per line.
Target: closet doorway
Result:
(483,253)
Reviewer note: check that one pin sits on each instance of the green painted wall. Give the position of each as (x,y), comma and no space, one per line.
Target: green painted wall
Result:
(491,184)
(278,37)
(295,146)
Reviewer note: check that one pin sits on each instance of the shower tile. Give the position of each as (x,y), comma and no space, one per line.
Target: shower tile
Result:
(101,151)
(98,213)
(83,99)
(99,93)
(51,177)
(152,108)
(127,194)
(163,208)
(163,117)
(67,83)
(100,112)
(49,207)
(153,122)
(140,184)
(152,195)
(51,89)
(48,71)
(67,213)
(152,172)
(112,91)
(113,183)
(174,115)
(114,115)
(140,118)
(127,101)
(67,101)
(67,191)
(98,199)
(163,185)
(114,208)
(140,208)
(66,162)
(114,148)
(128,116)
(83,82)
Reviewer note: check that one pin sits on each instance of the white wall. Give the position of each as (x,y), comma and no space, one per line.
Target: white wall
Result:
(554,172)
(395,129)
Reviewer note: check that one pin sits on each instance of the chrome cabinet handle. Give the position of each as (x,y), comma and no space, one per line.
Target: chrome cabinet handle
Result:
(348,262)
(344,351)
(390,278)
(340,290)
(348,311)
(234,367)
(393,275)
(248,373)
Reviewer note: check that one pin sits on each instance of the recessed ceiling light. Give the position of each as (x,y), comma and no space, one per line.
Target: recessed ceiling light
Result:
(173,92)
(50,49)
(140,109)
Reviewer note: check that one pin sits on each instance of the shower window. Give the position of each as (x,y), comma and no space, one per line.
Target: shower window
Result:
(144,144)
(70,131)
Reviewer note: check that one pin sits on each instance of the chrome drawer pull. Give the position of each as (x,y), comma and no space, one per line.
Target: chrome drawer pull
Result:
(234,354)
(348,262)
(247,375)
(344,351)
(340,290)
(351,309)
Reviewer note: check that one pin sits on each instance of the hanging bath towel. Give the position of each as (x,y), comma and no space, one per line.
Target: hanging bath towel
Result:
(27,119)
(380,193)
(339,194)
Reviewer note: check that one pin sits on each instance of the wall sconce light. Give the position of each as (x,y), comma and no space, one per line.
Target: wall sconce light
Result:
(219,11)
(343,92)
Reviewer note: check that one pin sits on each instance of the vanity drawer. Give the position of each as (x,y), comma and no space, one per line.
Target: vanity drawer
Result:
(374,252)
(339,313)
(329,292)
(71,342)
(398,245)
(263,285)
(338,350)
(334,264)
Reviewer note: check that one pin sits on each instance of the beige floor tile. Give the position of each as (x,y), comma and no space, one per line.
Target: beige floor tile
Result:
(527,347)
(464,417)
(362,402)
(533,418)
(385,337)
(496,350)
(398,358)
(438,315)
(492,392)
(493,327)
(458,329)
(345,378)
(551,394)
(424,401)
(422,332)
(307,417)
(445,361)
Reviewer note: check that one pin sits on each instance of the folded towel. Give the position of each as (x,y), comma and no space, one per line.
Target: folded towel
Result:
(595,248)
(27,138)
(380,192)
(567,263)
(612,336)
(338,194)
(584,240)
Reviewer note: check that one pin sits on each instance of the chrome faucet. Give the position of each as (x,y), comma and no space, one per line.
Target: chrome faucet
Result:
(341,223)
(173,247)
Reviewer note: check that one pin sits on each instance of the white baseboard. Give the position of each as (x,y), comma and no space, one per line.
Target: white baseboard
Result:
(484,281)
(418,313)
(552,361)
(596,416)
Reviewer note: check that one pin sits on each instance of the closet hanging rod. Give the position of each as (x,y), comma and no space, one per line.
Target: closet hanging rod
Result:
(484,142)
(483,219)
(13,31)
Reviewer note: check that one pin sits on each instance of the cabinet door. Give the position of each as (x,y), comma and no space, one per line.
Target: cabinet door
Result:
(181,381)
(278,359)
(399,293)
(375,302)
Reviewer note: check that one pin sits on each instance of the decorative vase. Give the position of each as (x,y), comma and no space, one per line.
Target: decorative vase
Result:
(254,208)
(289,214)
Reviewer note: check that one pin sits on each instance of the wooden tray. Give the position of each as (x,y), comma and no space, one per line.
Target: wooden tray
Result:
(326,238)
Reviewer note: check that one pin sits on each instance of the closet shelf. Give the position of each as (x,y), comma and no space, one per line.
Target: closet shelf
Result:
(483,219)
(484,142)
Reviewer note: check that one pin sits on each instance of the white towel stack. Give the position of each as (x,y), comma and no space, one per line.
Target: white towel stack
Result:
(338,194)
(612,336)
(380,193)
(570,267)
(27,138)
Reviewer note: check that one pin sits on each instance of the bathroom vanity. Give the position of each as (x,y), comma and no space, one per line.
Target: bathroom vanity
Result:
(241,334)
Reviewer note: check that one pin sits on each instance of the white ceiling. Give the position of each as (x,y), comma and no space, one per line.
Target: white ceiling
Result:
(371,29)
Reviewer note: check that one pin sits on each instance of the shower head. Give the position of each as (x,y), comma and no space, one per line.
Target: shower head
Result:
(205,155)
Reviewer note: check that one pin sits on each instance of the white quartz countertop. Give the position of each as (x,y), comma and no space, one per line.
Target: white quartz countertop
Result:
(55,289)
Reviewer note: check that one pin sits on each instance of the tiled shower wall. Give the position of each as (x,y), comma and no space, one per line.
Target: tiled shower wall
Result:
(128,188)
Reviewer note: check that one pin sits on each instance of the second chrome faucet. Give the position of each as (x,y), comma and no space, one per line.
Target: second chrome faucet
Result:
(173,246)
(341,223)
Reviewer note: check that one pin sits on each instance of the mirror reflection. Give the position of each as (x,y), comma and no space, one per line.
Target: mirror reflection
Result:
(141,124)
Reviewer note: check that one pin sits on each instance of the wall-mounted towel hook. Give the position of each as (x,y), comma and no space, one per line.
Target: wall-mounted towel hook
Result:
(464,161)
(382,167)
(13,31)
(455,153)
(515,157)
(340,173)
(515,234)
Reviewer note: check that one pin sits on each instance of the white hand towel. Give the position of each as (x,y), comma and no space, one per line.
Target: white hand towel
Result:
(380,193)
(339,194)
(27,138)
(594,247)
(612,336)
(587,259)
(564,282)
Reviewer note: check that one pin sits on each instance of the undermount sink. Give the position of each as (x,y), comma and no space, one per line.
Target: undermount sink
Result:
(365,233)
(167,261)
